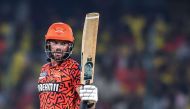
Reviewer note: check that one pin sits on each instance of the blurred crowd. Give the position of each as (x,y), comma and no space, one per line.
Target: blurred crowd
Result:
(143,50)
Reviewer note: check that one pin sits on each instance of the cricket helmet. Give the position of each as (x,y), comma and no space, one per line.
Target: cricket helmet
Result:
(59,31)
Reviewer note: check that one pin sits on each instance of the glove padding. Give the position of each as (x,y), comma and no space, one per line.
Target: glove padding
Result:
(89,92)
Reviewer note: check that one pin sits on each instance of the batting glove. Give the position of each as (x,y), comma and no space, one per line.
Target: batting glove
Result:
(89,93)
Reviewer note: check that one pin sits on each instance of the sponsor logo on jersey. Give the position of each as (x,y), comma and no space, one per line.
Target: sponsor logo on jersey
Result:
(43,75)
(48,87)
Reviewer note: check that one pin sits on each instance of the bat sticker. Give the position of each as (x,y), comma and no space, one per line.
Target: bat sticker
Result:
(88,69)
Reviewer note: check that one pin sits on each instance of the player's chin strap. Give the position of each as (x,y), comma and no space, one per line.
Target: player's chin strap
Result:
(67,55)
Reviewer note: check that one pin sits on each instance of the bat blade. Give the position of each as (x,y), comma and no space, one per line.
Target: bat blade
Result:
(88,52)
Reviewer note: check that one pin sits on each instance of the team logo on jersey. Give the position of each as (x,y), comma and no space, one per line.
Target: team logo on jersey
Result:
(43,75)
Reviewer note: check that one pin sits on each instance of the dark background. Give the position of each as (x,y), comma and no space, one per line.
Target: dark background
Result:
(143,50)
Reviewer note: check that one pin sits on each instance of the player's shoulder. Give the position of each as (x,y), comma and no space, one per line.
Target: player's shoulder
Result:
(72,63)
(45,65)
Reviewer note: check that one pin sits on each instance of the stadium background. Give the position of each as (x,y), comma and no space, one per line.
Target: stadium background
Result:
(143,50)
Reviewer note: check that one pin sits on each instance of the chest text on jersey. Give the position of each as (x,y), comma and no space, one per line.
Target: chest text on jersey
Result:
(48,87)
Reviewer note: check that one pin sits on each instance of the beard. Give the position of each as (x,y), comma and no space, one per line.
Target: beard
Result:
(58,54)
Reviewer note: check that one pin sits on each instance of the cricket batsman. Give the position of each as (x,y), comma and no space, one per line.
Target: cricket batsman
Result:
(59,80)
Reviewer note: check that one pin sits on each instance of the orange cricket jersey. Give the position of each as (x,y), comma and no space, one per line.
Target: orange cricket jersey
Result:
(57,86)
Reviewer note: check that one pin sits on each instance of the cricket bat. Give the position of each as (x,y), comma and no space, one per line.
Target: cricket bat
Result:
(88,51)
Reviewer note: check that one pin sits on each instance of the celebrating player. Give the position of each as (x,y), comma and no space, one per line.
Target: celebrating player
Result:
(59,81)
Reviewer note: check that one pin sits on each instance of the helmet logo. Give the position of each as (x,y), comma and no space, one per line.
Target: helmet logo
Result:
(59,30)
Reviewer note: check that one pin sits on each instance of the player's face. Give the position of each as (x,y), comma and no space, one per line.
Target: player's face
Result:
(58,48)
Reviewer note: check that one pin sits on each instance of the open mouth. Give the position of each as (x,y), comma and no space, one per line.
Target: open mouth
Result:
(58,54)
